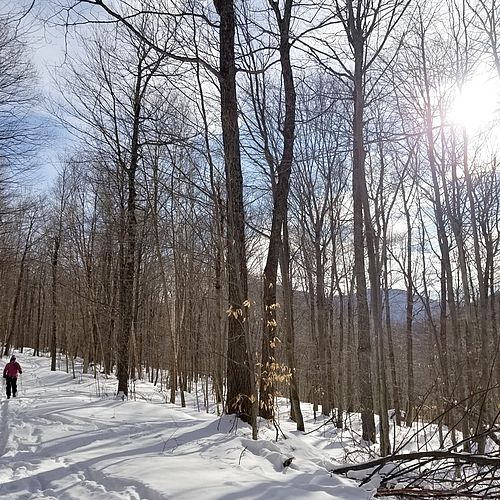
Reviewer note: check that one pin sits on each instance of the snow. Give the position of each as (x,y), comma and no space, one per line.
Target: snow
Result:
(69,438)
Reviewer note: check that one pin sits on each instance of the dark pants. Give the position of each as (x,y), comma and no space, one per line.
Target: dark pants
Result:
(11,386)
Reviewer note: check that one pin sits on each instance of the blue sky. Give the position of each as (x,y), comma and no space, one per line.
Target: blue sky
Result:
(46,45)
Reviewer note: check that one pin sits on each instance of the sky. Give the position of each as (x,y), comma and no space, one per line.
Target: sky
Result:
(46,46)
(49,42)
(68,438)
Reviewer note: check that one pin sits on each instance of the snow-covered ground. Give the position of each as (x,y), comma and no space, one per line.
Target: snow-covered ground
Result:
(66,438)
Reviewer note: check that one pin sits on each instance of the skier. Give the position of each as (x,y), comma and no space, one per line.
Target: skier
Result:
(10,372)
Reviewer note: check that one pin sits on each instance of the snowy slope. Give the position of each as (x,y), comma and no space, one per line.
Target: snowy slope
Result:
(61,439)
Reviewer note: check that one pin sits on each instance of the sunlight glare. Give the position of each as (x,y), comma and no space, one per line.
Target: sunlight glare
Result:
(474,107)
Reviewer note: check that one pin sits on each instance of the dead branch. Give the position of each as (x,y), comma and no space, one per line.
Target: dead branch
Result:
(425,493)
(421,455)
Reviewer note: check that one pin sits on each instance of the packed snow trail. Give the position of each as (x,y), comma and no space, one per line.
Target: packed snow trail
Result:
(66,438)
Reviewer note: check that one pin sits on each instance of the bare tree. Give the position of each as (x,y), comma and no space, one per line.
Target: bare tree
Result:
(20,132)
(367,26)
(240,380)
(240,392)
(110,111)
(63,194)
(27,225)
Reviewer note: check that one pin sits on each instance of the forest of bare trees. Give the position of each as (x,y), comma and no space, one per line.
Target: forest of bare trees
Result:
(268,198)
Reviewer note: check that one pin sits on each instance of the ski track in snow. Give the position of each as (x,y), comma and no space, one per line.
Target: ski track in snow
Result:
(4,427)
(45,470)
(31,468)
(59,440)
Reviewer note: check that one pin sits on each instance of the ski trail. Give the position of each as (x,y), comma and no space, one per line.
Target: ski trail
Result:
(37,466)
(67,439)
(4,427)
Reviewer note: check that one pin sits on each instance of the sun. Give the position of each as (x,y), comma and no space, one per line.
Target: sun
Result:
(475,105)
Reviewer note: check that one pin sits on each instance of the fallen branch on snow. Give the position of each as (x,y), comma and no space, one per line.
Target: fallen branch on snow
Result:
(421,455)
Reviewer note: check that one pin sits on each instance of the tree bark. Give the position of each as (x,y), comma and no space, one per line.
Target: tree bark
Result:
(359,193)
(296,412)
(280,206)
(240,375)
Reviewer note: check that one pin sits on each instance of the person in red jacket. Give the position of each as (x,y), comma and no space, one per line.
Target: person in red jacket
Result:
(10,373)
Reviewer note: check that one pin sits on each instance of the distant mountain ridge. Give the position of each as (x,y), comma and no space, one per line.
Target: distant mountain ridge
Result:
(397,305)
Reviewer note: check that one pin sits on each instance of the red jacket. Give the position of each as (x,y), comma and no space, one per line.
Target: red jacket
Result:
(12,369)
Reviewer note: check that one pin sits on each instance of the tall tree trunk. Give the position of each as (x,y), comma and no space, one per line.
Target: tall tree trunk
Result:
(219,223)
(17,293)
(487,359)
(322,328)
(409,318)
(53,335)
(290,329)
(447,292)
(280,205)
(40,310)
(240,375)
(359,194)
(341,347)
(376,303)
(127,271)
